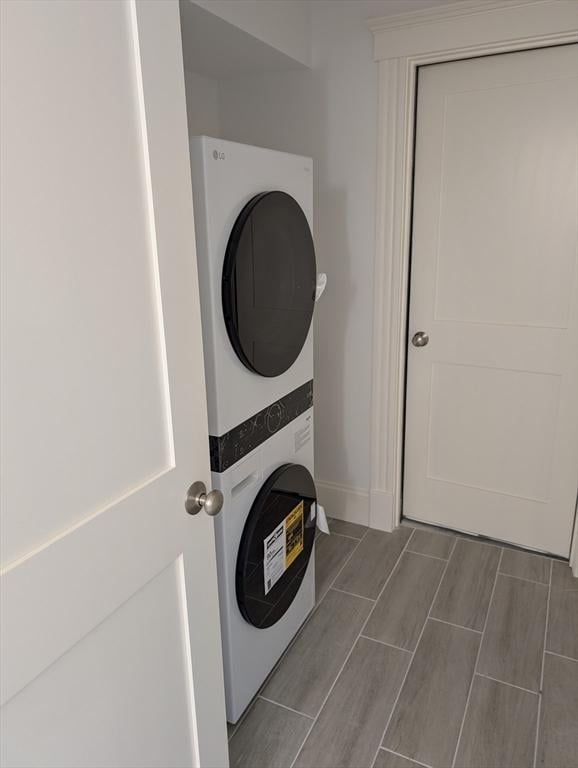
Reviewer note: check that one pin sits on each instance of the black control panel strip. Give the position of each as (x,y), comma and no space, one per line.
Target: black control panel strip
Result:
(231,447)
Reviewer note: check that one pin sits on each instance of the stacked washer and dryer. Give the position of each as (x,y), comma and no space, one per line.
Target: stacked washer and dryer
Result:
(258,280)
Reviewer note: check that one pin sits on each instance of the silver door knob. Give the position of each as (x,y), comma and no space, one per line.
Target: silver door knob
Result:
(198,498)
(419,339)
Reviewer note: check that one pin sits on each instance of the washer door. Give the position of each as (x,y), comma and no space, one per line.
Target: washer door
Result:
(276,545)
(268,285)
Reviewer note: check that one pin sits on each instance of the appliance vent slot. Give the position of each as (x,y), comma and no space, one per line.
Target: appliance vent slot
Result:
(244,483)
(302,436)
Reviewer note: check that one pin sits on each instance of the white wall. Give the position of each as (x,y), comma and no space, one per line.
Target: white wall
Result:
(202,95)
(330,113)
(283,24)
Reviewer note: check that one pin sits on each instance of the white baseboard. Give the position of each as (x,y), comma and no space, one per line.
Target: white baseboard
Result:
(381,510)
(344,503)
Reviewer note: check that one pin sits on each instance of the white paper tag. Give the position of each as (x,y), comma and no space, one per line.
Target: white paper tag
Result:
(322,523)
(274,556)
(320,285)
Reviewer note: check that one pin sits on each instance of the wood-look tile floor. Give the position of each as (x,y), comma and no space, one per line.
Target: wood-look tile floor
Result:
(425,649)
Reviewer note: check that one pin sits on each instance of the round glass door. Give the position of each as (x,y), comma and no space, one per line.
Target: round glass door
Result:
(268,286)
(276,545)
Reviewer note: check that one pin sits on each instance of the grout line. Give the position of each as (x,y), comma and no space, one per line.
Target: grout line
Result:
(539,713)
(477,659)
(423,554)
(293,641)
(345,535)
(347,559)
(295,638)
(284,706)
(347,659)
(479,540)
(510,685)
(382,642)
(237,725)
(386,582)
(407,522)
(521,578)
(414,651)
(323,704)
(352,594)
(405,757)
(457,626)
(241,719)
(561,656)
(418,525)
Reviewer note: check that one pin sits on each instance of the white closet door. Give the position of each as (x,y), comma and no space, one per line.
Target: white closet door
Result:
(110,633)
(491,443)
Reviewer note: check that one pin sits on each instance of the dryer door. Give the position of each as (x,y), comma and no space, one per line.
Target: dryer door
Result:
(276,545)
(268,286)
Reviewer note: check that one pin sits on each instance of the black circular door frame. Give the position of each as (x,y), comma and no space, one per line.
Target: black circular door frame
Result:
(288,492)
(268,283)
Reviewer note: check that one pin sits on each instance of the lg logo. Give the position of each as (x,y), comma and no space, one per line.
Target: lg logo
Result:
(218,155)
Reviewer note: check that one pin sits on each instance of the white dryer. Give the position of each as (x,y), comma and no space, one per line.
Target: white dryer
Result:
(257,280)
(257,275)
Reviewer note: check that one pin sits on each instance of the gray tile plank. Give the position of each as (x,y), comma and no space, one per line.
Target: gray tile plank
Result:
(526,565)
(308,670)
(558,736)
(399,614)
(386,759)
(343,528)
(563,622)
(268,736)
(372,562)
(466,589)
(331,552)
(427,718)
(350,726)
(432,543)
(514,638)
(500,727)
(562,576)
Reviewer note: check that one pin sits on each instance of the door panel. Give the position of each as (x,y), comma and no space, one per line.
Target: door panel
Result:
(504,191)
(492,462)
(86,323)
(111,642)
(492,417)
(128,690)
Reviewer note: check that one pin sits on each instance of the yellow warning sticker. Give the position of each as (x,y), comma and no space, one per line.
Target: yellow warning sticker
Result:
(294,534)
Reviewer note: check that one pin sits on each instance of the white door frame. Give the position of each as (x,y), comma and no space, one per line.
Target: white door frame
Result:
(403,43)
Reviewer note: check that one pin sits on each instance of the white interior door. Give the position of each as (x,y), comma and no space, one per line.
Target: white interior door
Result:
(110,632)
(491,444)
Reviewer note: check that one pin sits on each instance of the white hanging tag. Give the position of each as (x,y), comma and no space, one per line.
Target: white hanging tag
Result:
(322,519)
(320,286)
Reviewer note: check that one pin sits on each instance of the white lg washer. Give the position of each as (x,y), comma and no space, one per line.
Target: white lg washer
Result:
(257,280)
(269,513)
